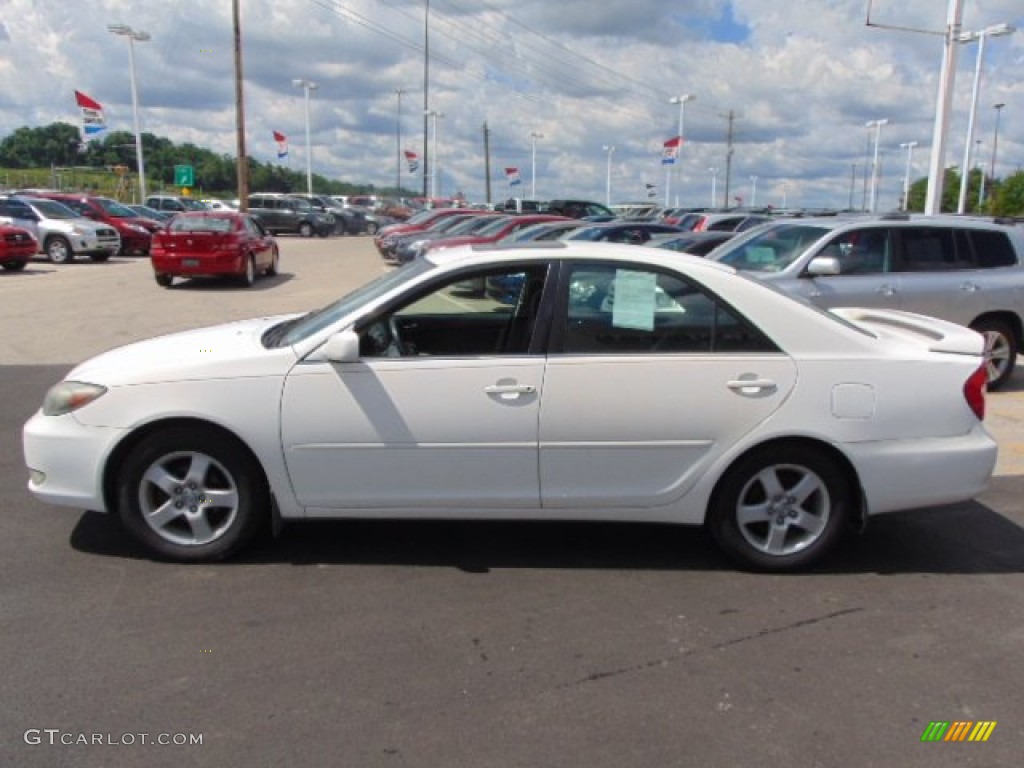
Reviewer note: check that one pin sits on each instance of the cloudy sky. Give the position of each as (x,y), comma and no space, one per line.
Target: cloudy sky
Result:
(800,77)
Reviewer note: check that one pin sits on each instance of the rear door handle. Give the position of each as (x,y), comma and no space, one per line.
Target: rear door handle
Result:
(510,389)
(752,386)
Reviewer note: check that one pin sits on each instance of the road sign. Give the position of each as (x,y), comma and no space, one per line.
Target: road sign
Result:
(184,176)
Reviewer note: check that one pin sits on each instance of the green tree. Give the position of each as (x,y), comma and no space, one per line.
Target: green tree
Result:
(1008,198)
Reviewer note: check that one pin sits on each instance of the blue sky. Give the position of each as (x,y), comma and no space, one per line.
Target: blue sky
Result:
(801,79)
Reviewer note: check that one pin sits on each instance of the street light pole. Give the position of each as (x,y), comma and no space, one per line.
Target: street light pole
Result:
(753,191)
(681,101)
(533,163)
(995,30)
(307,86)
(714,183)
(995,141)
(609,149)
(877,125)
(399,92)
(134,35)
(433,115)
(937,163)
(909,146)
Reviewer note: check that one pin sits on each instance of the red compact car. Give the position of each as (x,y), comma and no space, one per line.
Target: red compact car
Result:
(17,247)
(213,243)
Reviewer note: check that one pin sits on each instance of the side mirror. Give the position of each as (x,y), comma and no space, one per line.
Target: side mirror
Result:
(343,347)
(823,266)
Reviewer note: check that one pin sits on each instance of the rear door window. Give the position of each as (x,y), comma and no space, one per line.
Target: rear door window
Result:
(991,249)
(929,249)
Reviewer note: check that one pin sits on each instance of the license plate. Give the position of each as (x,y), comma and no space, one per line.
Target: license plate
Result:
(190,262)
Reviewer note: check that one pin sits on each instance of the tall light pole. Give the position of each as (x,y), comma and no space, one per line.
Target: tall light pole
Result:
(981,185)
(753,191)
(307,86)
(533,163)
(877,125)
(947,76)
(681,101)
(714,183)
(134,36)
(399,92)
(909,146)
(996,30)
(995,140)
(608,149)
(433,114)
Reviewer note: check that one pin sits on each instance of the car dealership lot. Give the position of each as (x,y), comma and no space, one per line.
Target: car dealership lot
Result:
(479,644)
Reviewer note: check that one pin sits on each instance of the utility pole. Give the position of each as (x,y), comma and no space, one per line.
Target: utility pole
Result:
(728,158)
(426,93)
(487,162)
(242,163)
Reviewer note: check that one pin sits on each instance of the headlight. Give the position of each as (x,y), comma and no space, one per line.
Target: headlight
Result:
(139,229)
(69,396)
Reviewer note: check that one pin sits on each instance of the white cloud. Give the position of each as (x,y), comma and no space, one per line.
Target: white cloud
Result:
(801,79)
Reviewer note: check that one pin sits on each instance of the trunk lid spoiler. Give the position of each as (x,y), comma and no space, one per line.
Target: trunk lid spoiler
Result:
(935,334)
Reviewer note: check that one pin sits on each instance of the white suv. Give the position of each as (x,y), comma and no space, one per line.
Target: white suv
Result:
(62,233)
(969,271)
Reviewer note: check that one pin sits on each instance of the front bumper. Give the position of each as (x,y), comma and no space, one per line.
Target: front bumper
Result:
(66,460)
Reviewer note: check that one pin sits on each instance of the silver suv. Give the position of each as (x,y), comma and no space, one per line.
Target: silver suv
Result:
(62,233)
(965,270)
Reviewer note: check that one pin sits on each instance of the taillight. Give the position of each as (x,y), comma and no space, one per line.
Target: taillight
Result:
(974,391)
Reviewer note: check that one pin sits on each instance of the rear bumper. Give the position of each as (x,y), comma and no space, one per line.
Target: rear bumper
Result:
(910,474)
(206,265)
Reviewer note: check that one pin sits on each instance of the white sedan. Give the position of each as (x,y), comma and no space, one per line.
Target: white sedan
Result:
(587,382)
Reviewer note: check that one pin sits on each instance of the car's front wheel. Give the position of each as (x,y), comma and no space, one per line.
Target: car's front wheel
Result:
(781,507)
(248,277)
(1001,346)
(305,229)
(58,250)
(275,260)
(192,494)
(372,228)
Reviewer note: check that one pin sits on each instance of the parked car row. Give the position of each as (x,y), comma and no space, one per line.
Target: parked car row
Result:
(60,232)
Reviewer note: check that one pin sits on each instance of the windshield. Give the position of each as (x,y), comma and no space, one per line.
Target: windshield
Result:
(769,250)
(193,205)
(494,226)
(295,330)
(585,233)
(115,209)
(51,209)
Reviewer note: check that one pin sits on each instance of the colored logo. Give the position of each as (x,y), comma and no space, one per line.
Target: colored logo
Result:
(958,730)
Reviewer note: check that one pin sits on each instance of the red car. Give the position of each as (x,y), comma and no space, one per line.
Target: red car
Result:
(17,247)
(386,236)
(136,231)
(213,243)
(495,231)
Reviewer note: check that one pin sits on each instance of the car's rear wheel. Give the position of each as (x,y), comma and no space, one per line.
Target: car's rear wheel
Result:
(306,229)
(14,266)
(372,228)
(1001,345)
(164,281)
(275,259)
(248,277)
(780,507)
(192,494)
(58,250)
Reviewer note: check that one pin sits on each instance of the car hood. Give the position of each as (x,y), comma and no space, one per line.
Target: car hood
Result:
(232,350)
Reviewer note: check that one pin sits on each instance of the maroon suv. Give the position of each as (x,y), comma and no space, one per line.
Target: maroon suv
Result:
(136,231)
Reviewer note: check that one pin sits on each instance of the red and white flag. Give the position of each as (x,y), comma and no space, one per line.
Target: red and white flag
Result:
(512,174)
(413,160)
(670,150)
(282,144)
(92,115)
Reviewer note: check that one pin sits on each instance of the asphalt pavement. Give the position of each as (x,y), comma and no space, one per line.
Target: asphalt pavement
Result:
(476,644)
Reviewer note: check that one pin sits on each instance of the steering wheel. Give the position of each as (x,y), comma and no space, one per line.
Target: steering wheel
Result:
(396,338)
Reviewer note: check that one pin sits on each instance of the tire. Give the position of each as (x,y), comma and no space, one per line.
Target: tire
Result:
(58,250)
(324,233)
(248,277)
(275,259)
(164,281)
(372,227)
(305,229)
(1001,344)
(99,257)
(780,507)
(192,495)
(14,266)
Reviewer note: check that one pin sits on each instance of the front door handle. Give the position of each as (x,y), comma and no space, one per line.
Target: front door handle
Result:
(510,389)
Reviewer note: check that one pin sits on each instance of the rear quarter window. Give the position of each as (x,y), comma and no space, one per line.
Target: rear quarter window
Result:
(992,249)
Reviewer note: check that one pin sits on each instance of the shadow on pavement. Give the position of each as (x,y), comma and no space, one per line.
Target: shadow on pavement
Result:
(967,538)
